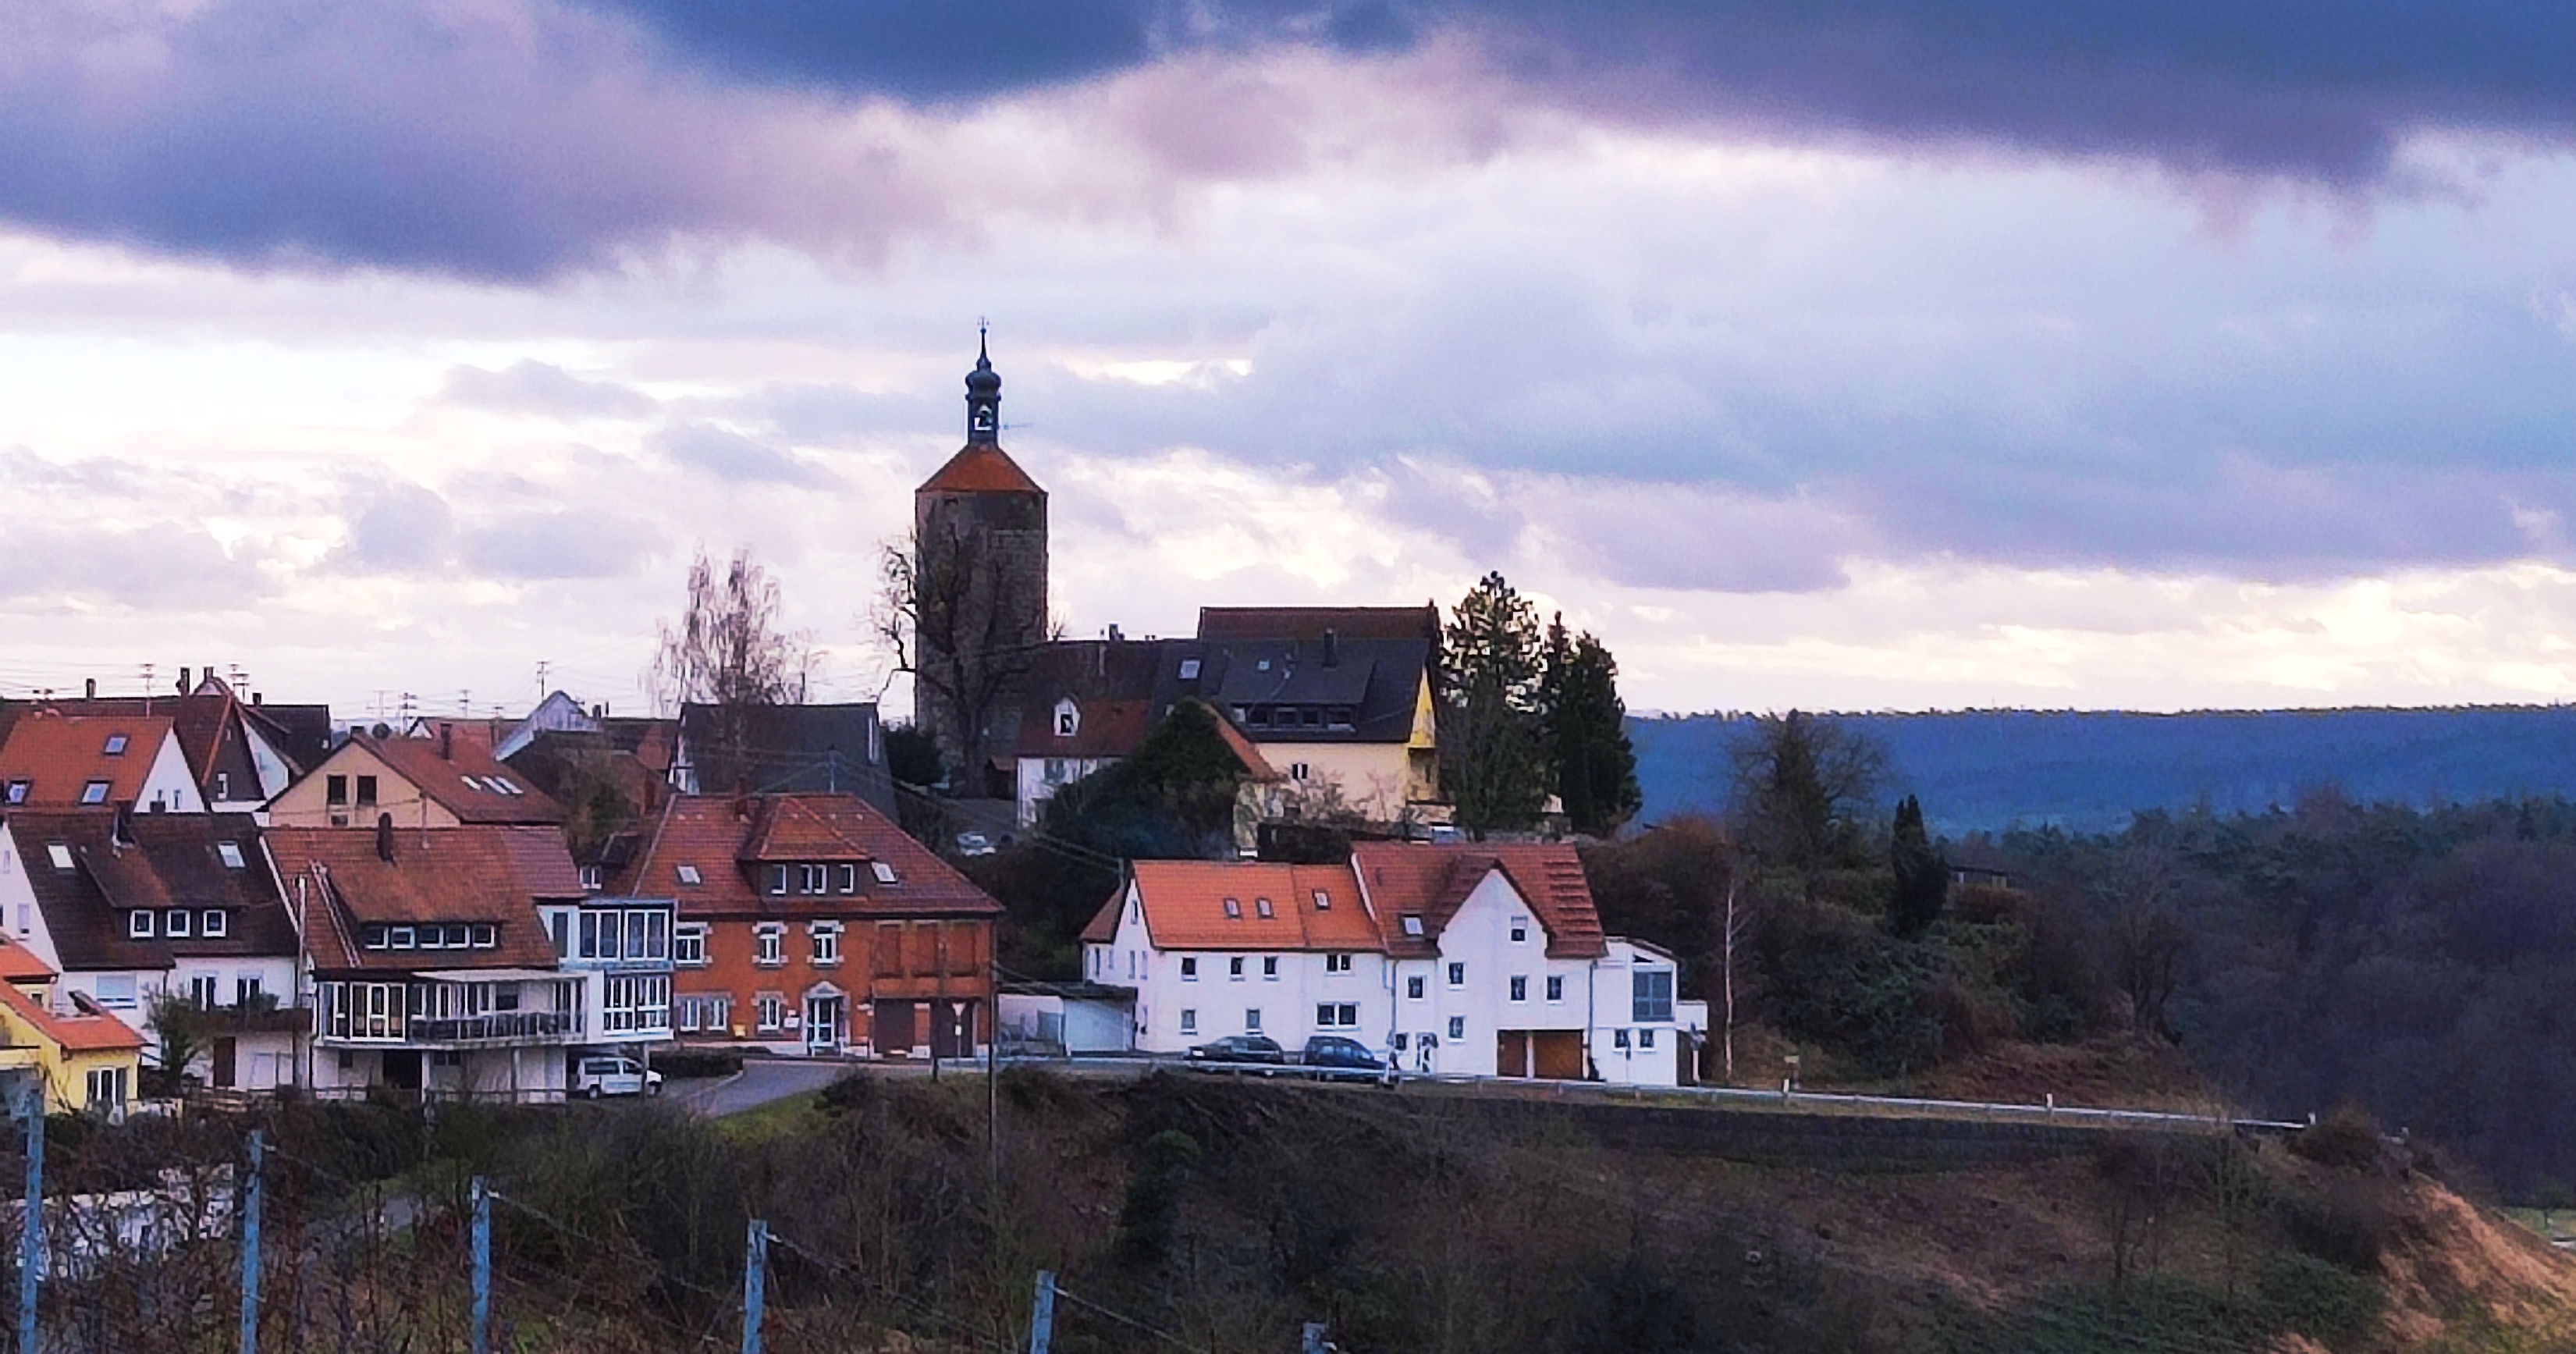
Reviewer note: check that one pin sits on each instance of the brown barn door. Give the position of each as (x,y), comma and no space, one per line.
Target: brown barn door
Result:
(894,1027)
(1512,1053)
(226,1050)
(1557,1054)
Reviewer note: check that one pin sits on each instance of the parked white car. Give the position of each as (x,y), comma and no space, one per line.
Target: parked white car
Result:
(610,1075)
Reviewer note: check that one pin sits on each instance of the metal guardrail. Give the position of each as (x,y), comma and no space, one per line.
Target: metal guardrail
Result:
(2046,1111)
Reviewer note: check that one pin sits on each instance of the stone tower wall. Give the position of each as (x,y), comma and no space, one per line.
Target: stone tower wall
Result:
(1005,538)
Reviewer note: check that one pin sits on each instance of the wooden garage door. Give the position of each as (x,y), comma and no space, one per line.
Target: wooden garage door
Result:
(1559,1054)
(893,1027)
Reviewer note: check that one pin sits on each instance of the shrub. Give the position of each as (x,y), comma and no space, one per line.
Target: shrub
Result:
(1152,1210)
(2349,1222)
(2346,1141)
(698,1062)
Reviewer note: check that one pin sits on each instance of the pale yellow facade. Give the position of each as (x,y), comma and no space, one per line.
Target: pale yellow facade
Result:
(1382,781)
(29,1049)
(306,803)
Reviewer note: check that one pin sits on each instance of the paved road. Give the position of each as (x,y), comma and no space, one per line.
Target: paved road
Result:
(763,1080)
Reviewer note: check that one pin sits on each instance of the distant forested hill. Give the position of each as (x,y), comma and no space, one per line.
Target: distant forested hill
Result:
(1987,770)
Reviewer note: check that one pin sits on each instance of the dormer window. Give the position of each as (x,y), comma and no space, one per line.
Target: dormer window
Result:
(115,745)
(778,879)
(1068,719)
(689,874)
(884,872)
(94,793)
(223,785)
(813,879)
(178,923)
(849,879)
(216,924)
(593,878)
(138,924)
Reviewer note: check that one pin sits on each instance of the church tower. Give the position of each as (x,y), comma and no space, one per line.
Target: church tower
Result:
(980,580)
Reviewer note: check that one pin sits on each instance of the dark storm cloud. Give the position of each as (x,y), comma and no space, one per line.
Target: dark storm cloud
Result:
(519,139)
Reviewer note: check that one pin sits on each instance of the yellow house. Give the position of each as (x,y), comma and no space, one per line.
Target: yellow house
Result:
(449,779)
(86,1060)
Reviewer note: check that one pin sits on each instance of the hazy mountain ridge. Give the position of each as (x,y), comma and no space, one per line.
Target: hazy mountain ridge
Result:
(1984,770)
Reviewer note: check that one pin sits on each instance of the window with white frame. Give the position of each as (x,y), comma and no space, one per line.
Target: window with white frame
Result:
(230,853)
(1645,1038)
(1457,1027)
(1337,1015)
(139,924)
(635,1005)
(1413,987)
(1323,901)
(1413,925)
(1457,975)
(179,923)
(1234,968)
(94,793)
(1337,963)
(1618,1038)
(813,879)
(769,1010)
(688,874)
(1261,908)
(1520,988)
(1189,969)
(1270,968)
(215,924)
(689,943)
(769,944)
(827,942)
(849,879)
(1520,930)
(107,1088)
(1556,987)
(884,872)
(778,879)
(1189,1020)
(201,990)
(246,990)
(1651,991)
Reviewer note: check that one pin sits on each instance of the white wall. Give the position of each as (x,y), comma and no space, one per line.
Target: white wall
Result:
(1467,1018)
(1036,785)
(168,788)
(1626,1050)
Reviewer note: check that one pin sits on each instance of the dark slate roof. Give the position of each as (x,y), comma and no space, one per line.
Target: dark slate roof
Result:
(1311,622)
(1381,679)
(167,860)
(797,749)
(302,733)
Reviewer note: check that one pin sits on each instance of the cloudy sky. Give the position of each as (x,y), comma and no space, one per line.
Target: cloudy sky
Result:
(1872,354)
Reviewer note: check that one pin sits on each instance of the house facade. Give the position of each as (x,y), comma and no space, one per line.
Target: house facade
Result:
(134,910)
(810,923)
(238,753)
(431,965)
(442,780)
(1466,960)
(81,1058)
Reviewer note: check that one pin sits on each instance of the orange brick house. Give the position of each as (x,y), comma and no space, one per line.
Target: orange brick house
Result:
(811,923)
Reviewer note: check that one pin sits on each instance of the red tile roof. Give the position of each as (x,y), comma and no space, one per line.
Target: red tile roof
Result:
(61,754)
(726,840)
(18,964)
(482,873)
(980,469)
(87,1029)
(1432,881)
(459,773)
(1216,905)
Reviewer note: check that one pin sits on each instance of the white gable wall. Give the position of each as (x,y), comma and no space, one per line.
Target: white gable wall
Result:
(1465,1018)
(168,788)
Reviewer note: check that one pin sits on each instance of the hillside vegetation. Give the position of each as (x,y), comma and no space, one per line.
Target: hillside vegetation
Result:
(1220,1216)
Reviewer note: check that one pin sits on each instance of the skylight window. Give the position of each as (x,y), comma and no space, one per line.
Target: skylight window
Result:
(94,793)
(507,785)
(689,875)
(1233,907)
(1189,669)
(16,792)
(231,853)
(60,854)
(1412,924)
(1323,901)
(884,872)
(1261,907)
(115,745)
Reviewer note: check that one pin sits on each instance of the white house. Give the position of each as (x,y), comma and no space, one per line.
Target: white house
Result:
(135,908)
(1468,960)
(54,760)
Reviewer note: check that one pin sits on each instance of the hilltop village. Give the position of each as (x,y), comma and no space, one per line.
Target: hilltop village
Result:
(206,890)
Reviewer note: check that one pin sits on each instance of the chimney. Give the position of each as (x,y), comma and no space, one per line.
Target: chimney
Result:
(447,742)
(121,830)
(385,838)
(1114,636)
(1332,649)
(742,800)
(89,688)
(257,699)
(183,681)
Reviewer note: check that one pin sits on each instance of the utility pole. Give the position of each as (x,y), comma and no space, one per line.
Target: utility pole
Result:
(755,1285)
(31,1232)
(481,1335)
(252,1189)
(1042,1316)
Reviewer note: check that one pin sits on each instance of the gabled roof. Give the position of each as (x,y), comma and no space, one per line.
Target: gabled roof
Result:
(980,469)
(1311,622)
(18,964)
(724,841)
(161,861)
(1432,881)
(459,774)
(790,749)
(1186,907)
(1378,680)
(84,1029)
(210,724)
(59,755)
(477,873)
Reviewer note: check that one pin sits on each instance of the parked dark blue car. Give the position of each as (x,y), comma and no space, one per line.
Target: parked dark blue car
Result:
(1331,1057)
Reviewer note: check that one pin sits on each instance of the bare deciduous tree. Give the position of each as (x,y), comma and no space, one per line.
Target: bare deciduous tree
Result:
(945,613)
(731,651)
